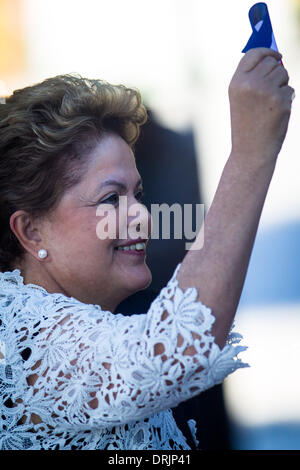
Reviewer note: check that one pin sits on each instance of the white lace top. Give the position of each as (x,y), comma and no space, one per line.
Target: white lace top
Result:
(73,376)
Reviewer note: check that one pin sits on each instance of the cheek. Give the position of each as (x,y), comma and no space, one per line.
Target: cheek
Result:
(90,239)
(106,226)
(76,238)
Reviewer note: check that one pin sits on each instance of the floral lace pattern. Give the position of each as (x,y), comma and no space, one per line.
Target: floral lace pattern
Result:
(73,376)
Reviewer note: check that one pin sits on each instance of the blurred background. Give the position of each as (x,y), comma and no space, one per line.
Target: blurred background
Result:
(181,54)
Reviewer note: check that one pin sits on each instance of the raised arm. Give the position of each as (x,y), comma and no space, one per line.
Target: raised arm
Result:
(260,104)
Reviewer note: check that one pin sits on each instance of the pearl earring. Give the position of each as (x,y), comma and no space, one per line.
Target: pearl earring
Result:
(42,254)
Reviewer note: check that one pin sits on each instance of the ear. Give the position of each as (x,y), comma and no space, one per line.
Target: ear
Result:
(25,228)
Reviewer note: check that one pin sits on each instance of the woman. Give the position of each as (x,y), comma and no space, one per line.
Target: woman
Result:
(74,375)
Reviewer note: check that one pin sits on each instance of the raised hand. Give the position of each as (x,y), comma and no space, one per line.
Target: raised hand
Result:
(260,105)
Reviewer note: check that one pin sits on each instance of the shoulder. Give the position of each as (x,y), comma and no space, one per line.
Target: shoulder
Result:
(30,301)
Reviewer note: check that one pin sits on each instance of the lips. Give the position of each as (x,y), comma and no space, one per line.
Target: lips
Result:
(133,246)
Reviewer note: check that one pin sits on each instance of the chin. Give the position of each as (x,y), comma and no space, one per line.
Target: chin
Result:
(138,279)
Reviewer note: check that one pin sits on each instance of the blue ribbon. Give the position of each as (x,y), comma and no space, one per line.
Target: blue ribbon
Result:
(262,35)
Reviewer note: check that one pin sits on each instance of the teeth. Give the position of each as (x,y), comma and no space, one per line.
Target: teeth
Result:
(136,247)
(140,246)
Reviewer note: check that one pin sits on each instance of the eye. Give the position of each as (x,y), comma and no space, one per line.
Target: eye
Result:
(112,199)
(139,195)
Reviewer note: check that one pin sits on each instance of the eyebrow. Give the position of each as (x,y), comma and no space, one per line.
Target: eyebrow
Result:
(110,182)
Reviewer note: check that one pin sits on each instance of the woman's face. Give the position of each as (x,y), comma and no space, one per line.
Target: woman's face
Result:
(83,261)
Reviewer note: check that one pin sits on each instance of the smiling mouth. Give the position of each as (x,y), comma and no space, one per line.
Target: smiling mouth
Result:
(135,248)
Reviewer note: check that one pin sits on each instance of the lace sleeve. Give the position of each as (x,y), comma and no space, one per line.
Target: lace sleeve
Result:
(89,368)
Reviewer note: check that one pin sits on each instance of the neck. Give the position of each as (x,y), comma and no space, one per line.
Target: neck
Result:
(35,273)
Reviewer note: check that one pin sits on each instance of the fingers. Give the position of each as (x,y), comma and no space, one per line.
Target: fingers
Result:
(289,94)
(279,76)
(266,66)
(254,56)
(264,63)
